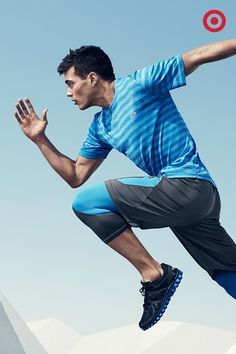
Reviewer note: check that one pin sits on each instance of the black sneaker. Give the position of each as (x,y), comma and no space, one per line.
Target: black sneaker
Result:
(157,295)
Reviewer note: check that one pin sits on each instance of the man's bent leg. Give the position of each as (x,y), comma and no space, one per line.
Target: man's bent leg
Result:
(161,279)
(94,206)
(129,246)
(102,216)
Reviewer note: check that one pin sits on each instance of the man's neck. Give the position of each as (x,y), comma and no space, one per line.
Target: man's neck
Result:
(106,94)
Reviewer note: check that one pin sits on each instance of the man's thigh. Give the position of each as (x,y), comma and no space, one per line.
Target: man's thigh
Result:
(156,202)
(190,207)
(209,244)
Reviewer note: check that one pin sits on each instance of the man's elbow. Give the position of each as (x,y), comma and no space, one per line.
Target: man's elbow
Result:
(75,183)
(192,60)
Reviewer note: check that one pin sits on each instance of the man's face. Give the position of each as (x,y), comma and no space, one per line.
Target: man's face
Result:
(81,91)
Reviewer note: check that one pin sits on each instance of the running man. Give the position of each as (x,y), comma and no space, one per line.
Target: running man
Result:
(139,118)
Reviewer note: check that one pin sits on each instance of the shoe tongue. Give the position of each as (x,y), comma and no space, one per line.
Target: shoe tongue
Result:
(146,283)
(164,267)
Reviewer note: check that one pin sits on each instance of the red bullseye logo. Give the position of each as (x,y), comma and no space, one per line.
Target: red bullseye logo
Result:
(214,21)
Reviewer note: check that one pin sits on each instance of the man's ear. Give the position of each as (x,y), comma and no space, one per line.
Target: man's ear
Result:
(93,78)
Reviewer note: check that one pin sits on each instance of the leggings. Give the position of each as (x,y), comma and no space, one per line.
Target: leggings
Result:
(96,201)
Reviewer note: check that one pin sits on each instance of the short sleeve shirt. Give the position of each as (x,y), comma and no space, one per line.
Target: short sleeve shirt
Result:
(144,124)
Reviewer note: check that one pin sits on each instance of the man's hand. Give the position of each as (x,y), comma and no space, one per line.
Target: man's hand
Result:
(30,124)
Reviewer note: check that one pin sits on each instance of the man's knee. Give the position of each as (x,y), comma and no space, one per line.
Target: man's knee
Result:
(97,215)
(79,202)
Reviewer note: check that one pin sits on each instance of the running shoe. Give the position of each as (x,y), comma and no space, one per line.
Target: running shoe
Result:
(157,295)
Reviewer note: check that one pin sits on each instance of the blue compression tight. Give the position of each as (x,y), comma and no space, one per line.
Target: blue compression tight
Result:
(227,280)
(94,200)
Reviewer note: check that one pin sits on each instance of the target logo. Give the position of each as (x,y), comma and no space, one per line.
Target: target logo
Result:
(214,21)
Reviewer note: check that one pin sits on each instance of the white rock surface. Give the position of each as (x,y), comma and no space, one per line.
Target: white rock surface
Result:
(232,350)
(55,336)
(164,338)
(15,335)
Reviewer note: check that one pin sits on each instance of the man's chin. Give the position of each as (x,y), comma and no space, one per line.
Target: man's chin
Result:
(79,106)
(82,108)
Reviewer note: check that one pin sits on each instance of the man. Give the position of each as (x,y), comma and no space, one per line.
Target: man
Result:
(139,119)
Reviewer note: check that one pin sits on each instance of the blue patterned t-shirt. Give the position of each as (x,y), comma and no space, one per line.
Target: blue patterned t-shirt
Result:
(144,124)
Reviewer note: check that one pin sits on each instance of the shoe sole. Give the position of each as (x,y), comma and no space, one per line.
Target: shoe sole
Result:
(167,297)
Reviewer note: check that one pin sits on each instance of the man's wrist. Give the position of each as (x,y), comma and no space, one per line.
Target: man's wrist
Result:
(39,139)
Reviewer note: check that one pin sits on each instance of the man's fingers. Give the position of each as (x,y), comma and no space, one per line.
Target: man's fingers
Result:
(31,108)
(26,111)
(44,115)
(21,113)
(23,107)
(18,117)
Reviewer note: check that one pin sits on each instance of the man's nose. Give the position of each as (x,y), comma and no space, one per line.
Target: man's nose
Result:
(69,93)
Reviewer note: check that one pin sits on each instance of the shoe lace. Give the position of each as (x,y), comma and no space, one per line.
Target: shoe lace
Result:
(145,292)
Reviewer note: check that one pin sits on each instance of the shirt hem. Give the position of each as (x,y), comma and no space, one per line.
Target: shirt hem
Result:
(184,175)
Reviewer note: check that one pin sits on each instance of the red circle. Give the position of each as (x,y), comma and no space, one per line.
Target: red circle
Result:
(214,12)
(214,20)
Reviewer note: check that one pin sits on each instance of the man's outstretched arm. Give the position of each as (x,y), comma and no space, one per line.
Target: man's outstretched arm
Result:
(75,173)
(208,53)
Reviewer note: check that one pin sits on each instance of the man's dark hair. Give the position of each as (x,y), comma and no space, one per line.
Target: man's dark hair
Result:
(86,59)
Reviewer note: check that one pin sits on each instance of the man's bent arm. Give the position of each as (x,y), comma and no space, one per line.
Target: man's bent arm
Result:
(208,53)
(75,173)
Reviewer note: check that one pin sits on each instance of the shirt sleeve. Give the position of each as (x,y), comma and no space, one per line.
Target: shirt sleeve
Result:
(163,76)
(94,147)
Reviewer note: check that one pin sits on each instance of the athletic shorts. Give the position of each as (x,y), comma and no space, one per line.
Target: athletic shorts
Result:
(189,206)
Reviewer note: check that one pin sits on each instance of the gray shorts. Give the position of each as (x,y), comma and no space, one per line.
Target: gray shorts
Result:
(189,206)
